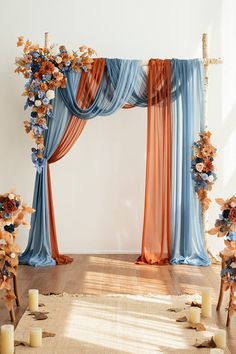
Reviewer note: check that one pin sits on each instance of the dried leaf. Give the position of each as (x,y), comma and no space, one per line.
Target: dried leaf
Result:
(206,344)
(41,305)
(193,304)
(174,309)
(182,319)
(51,293)
(48,334)
(198,326)
(213,231)
(38,316)
(17,343)
(189,292)
(220,201)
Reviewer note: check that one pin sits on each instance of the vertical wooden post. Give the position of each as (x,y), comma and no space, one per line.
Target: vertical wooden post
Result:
(206,67)
(46,40)
(205,58)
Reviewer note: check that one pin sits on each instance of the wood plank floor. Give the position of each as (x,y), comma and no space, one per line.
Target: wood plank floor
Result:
(100,274)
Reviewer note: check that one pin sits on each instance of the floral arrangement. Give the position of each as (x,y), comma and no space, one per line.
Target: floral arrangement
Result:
(45,70)
(12,215)
(225,225)
(202,168)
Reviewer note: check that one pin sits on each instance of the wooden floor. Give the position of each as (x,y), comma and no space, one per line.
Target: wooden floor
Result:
(100,274)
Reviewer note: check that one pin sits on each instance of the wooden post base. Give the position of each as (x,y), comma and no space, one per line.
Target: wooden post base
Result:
(221,295)
(15,289)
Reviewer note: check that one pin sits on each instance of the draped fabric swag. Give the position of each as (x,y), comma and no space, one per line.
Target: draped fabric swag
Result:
(173,92)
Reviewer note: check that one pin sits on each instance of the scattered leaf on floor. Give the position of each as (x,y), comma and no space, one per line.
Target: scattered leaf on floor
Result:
(198,326)
(39,315)
(206,344)
(41,305)
(17,343)
(50,293)
(182,319)
(48,334)
(189,292)
(193,304)
(174,309)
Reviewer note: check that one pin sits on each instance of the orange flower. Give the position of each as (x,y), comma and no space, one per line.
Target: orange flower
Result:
(43,86)
(208,166)
(51,85)
(41,121)
(65,57)
(47,67)
(58,76)
(41,109)
(232,215)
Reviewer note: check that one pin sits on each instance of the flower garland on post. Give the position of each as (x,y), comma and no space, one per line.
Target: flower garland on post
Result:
(12,215)
(45,70)
(202,168)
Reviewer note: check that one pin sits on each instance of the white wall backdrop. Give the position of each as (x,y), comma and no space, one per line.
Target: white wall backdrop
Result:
(99,186)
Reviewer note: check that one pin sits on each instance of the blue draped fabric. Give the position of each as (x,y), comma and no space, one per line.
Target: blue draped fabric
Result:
(38,251)
(125,82)
(187,121)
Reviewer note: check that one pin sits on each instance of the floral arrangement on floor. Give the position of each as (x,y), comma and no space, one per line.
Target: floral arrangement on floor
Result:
(202,168)
(225,225)
(12,215)
(45,70)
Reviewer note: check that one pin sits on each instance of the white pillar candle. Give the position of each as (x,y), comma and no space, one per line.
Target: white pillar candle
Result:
(7,339)
(206,302)
(194,314)
(33,300)
(220,338)
(35,337)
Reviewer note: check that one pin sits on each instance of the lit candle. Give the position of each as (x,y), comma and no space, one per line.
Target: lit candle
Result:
(194,314)
(7,339)
(206,302)
(33,300)
(220,338)
(35,337)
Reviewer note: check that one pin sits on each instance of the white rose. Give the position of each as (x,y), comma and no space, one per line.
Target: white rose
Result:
(38,103)
(211,178)
(50,94)
(2,241)
(53,51)
(233,204)
(13,255)
(58,60)
(11,196)
(56,70)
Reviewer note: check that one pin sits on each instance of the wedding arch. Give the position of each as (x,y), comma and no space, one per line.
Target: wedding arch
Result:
(64,90)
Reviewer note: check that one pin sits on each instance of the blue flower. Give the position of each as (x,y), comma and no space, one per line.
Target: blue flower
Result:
(45,101)
(41,94)
(67,63)
(7,215)
(199,159)
(34,67)
(47,77)
(204,176)
(33,114)
(84,68)
(9,228)
(35,54)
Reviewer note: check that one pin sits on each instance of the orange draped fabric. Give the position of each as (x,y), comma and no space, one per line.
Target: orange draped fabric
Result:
(89,84)
(156,241)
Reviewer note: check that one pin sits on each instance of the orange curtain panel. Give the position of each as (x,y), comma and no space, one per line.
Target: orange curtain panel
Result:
(87,90)
(156,239)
